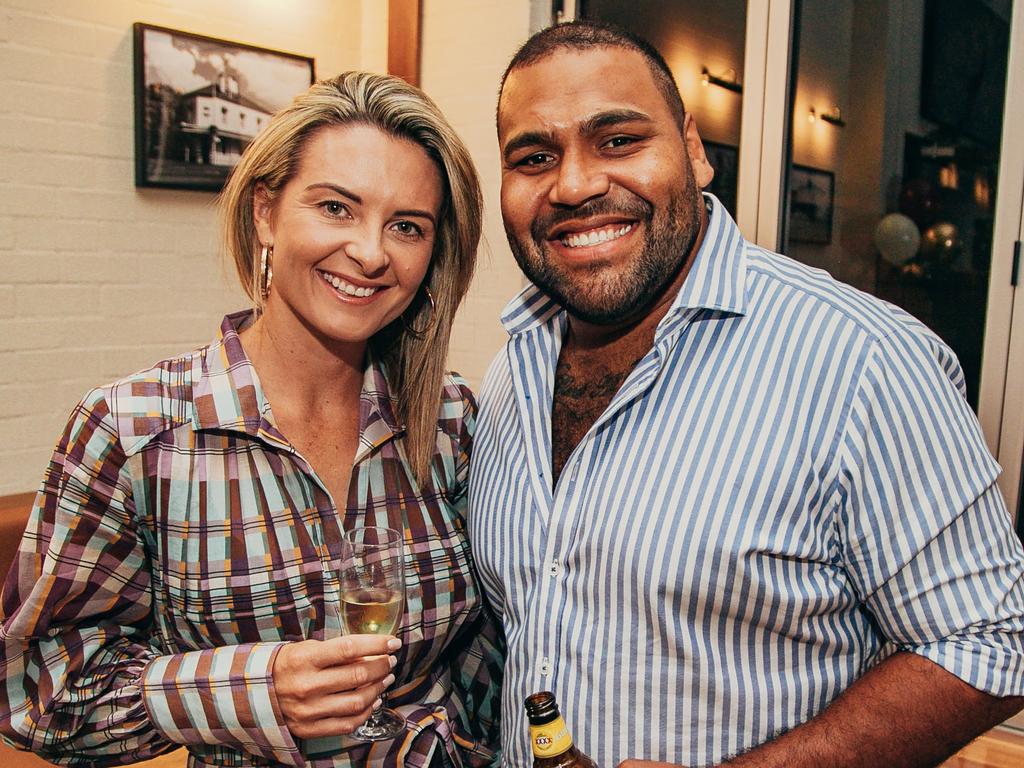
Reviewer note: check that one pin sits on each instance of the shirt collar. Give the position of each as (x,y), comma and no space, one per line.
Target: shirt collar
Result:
(717,279)
(378,417)
(228,395)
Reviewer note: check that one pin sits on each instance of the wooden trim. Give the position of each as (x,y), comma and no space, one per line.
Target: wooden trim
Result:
(404,40)
(16,502)
(14,512)
(999,748)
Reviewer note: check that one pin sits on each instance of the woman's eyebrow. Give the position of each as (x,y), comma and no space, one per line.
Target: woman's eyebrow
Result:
(337,188)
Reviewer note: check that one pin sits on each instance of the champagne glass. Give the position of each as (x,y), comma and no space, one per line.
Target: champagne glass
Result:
(372,603)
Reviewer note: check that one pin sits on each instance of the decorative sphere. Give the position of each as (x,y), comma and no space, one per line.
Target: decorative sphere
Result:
(897,238)
(941,242)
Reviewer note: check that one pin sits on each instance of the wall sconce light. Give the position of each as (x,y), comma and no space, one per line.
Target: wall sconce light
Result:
(949,176)
(835,116)
(726,80)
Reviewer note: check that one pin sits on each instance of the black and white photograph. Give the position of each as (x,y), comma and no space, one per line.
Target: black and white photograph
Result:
(811,197)
(200,101)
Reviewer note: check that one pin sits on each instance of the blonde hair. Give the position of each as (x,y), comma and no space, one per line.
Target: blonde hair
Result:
(415,361)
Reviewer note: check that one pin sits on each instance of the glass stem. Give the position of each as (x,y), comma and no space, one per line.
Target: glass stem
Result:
(375,714)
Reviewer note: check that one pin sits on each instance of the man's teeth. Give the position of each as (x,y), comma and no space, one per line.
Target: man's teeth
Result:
(595,236)
(347,288)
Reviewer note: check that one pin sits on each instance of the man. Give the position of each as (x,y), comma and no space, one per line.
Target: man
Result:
(730,509)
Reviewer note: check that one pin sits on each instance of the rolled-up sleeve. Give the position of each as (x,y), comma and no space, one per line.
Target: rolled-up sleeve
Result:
(476,678)
(926,536)
(959,602)
(477,666)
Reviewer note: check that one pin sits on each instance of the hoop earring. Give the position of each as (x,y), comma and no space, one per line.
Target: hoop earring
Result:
(266,270)
(417,333)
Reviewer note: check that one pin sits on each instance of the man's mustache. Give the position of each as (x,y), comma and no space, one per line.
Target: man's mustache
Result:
(630,208)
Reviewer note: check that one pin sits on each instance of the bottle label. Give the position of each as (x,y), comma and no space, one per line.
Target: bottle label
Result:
(551,738)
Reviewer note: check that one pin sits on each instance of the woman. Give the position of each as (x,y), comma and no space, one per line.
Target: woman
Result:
(178,580)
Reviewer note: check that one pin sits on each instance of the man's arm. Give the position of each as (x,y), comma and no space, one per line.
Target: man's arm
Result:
(905,713)
(908,710)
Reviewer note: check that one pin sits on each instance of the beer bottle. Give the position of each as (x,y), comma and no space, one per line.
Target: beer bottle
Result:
(552,744)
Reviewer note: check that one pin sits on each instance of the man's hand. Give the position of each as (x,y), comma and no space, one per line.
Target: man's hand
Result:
(329,687)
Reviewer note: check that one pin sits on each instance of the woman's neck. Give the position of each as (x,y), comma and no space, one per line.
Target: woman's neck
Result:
(299,369)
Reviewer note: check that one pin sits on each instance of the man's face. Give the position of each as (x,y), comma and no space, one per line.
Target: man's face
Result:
(600,202)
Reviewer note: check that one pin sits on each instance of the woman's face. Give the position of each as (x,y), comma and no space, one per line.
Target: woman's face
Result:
(352,232)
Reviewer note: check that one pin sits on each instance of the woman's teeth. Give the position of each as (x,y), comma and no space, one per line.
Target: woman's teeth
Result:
(595,236)
(347,288)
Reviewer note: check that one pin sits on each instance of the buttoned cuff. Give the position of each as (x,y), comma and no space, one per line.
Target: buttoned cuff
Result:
(220,696)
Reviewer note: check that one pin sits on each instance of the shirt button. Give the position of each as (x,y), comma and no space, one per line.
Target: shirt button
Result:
(545,667)
(554,568)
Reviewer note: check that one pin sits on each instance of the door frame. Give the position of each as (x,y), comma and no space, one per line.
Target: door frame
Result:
(1001,394)
(764,121)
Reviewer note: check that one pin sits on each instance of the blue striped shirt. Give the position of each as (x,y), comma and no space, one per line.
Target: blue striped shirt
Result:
(787,488)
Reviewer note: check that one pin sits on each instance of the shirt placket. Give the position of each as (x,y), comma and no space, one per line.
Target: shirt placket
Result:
(554,599)
(569,500)
(318,530)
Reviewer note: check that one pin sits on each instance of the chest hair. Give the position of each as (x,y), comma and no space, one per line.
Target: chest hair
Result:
(585,383)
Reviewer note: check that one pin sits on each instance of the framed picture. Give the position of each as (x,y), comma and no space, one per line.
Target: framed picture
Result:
(725,160)
(811,199)
(200,101)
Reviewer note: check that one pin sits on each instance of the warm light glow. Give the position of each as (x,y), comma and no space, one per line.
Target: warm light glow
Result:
(814,143)
(833,116)
(726,79)
(717,109)
(836,114)
(949,176)
(982,192)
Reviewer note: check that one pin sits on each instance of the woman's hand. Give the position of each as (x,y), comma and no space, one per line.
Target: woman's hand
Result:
(329,687)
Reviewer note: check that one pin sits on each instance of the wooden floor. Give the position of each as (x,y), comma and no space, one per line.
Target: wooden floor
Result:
(998,748)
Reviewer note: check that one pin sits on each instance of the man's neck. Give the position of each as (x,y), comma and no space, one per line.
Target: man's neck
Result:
(596,359)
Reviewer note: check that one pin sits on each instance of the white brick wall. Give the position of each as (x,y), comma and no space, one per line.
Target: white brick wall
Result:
(98,278)
(460,69)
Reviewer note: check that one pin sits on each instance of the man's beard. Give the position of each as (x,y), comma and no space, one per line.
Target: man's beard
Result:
(597,294)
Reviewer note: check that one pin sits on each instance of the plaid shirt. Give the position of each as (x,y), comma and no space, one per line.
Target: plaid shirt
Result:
(178,540)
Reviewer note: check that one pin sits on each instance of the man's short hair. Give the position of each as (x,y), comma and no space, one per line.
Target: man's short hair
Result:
(584,35)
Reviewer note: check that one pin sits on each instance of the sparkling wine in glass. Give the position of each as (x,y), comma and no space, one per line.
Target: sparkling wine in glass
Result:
(371,611)
(372,603)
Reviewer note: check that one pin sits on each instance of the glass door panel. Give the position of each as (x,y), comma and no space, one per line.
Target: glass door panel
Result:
(896,117)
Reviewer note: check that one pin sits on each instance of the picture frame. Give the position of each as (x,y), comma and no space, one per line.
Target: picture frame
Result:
(199,101)
(724,158)
(811,203)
